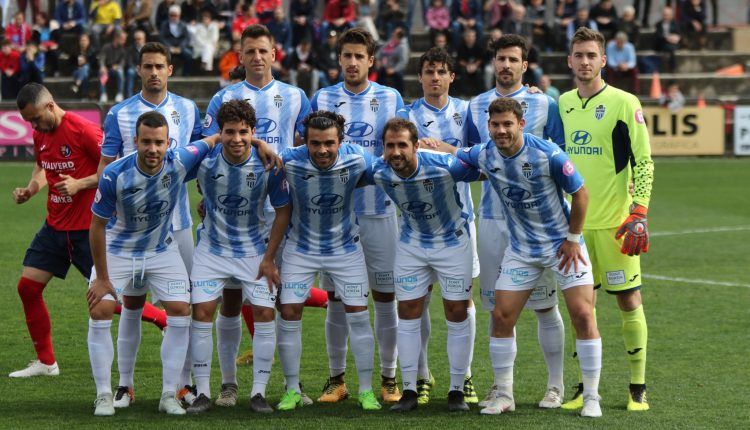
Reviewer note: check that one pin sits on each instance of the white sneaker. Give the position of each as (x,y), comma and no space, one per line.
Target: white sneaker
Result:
(124,396)
(552,399)
(502,402)
(591,407)
(103,98)
(118,98)
(103,406)
(488,398)
(36,368)
(170,404)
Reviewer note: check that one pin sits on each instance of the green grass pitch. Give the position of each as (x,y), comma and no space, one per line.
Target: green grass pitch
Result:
(696,293)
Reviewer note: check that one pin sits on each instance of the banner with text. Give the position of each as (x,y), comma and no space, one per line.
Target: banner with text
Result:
(689,131)
(742,130)
(14,131)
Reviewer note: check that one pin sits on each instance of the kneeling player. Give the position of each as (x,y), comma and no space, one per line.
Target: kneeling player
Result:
(232,253)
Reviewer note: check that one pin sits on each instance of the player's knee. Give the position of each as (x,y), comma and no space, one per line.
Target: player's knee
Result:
(502,321)
(263,314)
(455,311)
(583,321)
(104,310)
(383,297)
(290,313)
(629,301)
(29,289)
(203,312)
(177,309)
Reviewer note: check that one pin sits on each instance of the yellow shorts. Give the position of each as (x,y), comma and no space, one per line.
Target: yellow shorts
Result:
(613,270)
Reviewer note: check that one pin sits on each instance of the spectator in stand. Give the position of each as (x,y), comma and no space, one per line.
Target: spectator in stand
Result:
(31,65)
(36,9)
(517,23)
(206,40)
(497,11)
(47,39)
(339,15)
(131,61)
(693,18)
(175,35)
(672,99)
(281,30)
(644,13)
(112,60)
(667,37)
(265,10)
(438,19)
(71,16)
(191,10)
(470,58)
(365,20)
(10,63)
(581,20)
(565,13)
(545,84)
(441,41)
(106,17)
(301,65)
(162,12)
(392,59)
(466,14)
(138,16)
(18,32)
(84,60)
(228,61)
(622,70)
(245,18)
(489,58)
(605,16)
(536,14)
(391,14)
(534,71)
(302,13)
(628,25)
(327,61)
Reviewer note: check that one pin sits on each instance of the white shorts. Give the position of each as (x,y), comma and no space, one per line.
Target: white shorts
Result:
(212,273)
(522,273)
(475,269)
(417,268)
(379,237)
(163,274)
(492,246)
(347,272)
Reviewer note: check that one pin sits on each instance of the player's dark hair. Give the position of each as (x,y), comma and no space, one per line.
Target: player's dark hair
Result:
(437,56)
(356,36)
(397,124)
(323,120)
(506,104)
(238,73)
(236,111)
(32,94)
(509,41)
(257,31)
(585,34)
(155,48)
(151,119)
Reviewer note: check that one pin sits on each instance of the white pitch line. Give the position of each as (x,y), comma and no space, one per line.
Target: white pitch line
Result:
(695,281)
(700,231)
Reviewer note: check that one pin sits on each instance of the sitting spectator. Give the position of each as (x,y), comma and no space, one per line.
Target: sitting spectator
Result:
(281,30)
(174,34)
(106,17)
(489,58)
(621,64)
(302,14)
(84,60)
(31,65)
(693,18)
(327,61)
(466,14)
(497,11)
(339,15)
(534,71)
(392,59)
(628,25)
(132,60)
(245,18)
(10,63)
(581,20)
(516,23)
(470,59)
(18,32)
(605,16)
(644,12)
(47,38)
(228,61)
(438,18)
(545,84)
(71,16)
(112,60)
(541,32)
(391,14)
(565,12)
(301,65)
(441,41)
(34,6)
(667,37)
(672,99)
(365,20)
(264,10)
(138,16)
(191,10)
(162,12)
(206,40)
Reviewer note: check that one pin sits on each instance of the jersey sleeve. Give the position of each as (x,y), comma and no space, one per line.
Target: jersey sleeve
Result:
(372,164)
(278,189)
(105,200)
(196,133)
(553,129)
(112,137)
(461,171)
(642,164)
(403,113)
(210,126)
(192,154)
(470,156)
(314,101)
(399,102)
(564,172)
(472,133)
(304,110)
(92,140)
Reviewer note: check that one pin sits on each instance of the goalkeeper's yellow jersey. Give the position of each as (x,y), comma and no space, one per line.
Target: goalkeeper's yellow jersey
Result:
(607,139)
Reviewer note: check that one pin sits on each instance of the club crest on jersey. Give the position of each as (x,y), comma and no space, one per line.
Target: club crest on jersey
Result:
(457,119)
(166,181)
(175,117)
(278,100)
(374,105)
(344,176)
(428,185)
(599,112)
(524,107)
(527,169)
(250,179)
(65,151)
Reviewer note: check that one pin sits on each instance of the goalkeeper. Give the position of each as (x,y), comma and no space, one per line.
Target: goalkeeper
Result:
(607,140)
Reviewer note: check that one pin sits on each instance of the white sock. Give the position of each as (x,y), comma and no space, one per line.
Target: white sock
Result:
(424,367)
(408,357)
(386,325)
(264,346)
(228,336)
(459,352)
(337,334)
(201,353)
(290,350)
(590,359)
(101,354)
(551,334)
(471,314)
(503,356)
(174,348)
(128,341)
(363,347)
(186,379)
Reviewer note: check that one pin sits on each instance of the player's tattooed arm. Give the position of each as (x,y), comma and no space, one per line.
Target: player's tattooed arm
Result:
(101,285)
(268,266)
(37,182)
(570,252)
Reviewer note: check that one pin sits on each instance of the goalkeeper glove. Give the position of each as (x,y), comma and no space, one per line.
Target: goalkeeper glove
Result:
(635,230)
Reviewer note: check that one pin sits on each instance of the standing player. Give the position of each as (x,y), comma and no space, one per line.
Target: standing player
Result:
(66,147)
(233,253)
(531,175)
(366,106)
(441,118)
(607,139)
(542,119)
(434,245)
(154,68)
(324,237)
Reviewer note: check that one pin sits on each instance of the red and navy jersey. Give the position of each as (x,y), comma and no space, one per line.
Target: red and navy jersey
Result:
(74,149)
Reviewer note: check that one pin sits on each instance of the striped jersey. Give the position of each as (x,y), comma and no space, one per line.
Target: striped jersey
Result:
(139,206)
(448,124)
(542,120)
(366,113)
(323,219)
(183,119)
(432,215)
(530,185)
(234,197)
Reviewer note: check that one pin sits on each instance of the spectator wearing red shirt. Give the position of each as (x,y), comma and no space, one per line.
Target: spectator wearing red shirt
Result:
(264,9)
(339,15)
(18,32)
(245,18)
(10,63)
(67,149)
